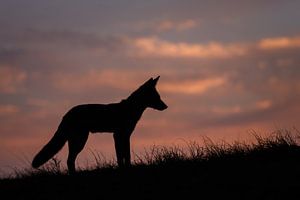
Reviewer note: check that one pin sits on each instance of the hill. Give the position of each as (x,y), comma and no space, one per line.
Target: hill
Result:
(266,169)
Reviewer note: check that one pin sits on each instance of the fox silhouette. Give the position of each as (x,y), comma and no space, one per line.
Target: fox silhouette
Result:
(118,118)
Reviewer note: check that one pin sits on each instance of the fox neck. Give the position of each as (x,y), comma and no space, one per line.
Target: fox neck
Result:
(136,106)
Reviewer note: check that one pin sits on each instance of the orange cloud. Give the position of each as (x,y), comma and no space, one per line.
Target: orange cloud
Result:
(8,109)
(264,104)
(166,25)
(128,80)
(285,62)
(11,79)
(97,79)
(152,46)
(279,43)
(193,86)
(226,110)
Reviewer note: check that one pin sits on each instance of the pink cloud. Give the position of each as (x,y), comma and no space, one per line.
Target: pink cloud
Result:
(153,46)
(222,110)
(193,86)
(102,79)
(223,105)
(11,79)
(279,43)
(264,104)
(166,25)
(285,62)
(93,79)
(156,47)
(8,109)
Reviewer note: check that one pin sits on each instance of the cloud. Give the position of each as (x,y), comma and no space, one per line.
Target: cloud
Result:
(96,79)
(83,81)
(285,62)
(214,85)
(153,46)
(279,43)
(264,104)
(8,109)
(11,80)
(126,80)
(35,102)
(168,25)
(157,47)
(30,38)
(10,54)
(221,110)
(193,86)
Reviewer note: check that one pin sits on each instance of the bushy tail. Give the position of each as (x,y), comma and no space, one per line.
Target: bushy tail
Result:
(50,149)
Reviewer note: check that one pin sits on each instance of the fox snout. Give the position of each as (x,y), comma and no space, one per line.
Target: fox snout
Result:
(161,106)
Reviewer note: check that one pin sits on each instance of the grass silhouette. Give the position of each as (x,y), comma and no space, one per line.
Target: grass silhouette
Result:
(268,168)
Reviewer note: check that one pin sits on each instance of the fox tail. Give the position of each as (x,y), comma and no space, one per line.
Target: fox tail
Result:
(50,149)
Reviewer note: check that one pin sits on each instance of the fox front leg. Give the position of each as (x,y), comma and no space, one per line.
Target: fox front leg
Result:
(126,146)
(118,148)
(122,147)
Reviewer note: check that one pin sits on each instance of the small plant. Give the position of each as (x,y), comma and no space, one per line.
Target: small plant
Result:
(276,145)
(101,161)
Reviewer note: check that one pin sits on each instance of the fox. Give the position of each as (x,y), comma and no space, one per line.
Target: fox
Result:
(117,118)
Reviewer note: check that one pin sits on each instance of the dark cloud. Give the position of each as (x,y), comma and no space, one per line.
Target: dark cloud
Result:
(60,38)
(10,54)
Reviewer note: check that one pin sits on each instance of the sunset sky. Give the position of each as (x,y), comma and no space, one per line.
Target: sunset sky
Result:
(226,67)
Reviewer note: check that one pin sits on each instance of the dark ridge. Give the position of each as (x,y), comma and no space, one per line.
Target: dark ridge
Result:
(265,169)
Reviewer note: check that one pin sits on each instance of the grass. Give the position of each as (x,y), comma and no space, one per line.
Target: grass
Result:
(268,168)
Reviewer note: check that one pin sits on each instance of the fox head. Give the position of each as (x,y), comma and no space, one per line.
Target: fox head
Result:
(149,96)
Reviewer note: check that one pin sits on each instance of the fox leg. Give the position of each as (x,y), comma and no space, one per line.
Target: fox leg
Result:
(118,148)
(127,157)
(76,143)
(122,147)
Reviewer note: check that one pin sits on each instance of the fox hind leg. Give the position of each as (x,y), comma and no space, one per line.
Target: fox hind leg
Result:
(76,144)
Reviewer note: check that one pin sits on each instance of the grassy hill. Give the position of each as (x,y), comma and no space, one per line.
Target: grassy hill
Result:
(266,169)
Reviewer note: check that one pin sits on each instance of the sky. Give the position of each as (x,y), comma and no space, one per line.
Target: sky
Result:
(227,68)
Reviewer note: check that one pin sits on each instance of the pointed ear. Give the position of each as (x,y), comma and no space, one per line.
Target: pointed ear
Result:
(155,80)
(150,81)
